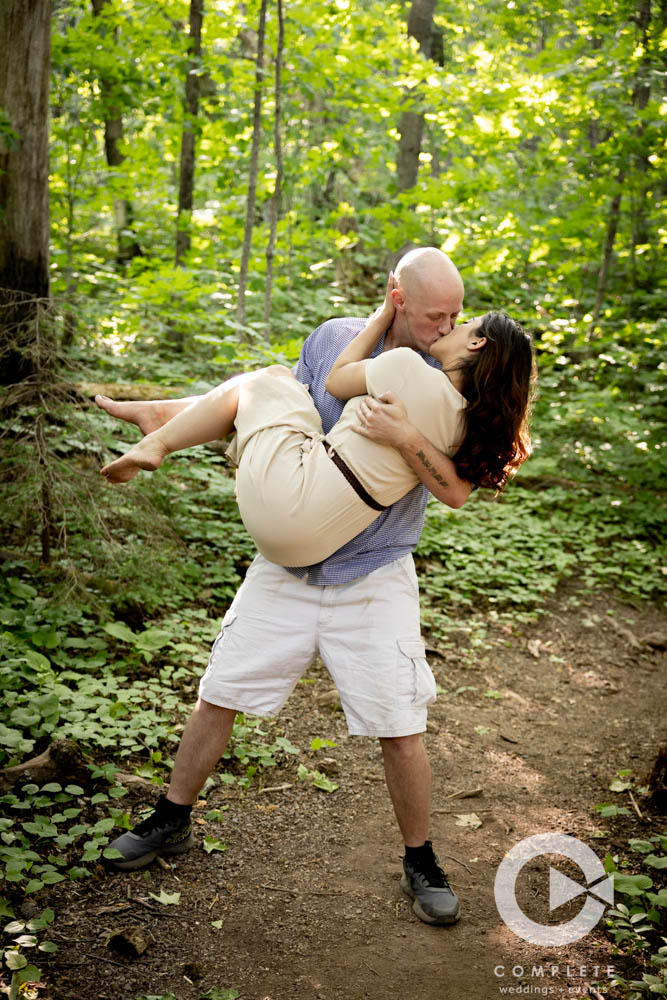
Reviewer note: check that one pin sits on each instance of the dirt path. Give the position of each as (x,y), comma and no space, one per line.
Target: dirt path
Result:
(307,893)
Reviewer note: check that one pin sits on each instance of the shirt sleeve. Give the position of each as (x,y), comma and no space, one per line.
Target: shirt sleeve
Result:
(316,351)
(390,371)
(303,370)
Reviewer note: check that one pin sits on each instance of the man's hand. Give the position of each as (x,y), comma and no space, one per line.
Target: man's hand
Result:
(385,420)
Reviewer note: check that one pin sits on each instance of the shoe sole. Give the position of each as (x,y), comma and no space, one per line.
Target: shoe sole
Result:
(422,914)
(145,859)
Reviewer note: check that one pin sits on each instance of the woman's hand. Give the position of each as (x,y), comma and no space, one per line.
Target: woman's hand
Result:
(387,310)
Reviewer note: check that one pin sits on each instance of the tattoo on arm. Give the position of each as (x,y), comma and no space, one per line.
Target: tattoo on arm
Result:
(431,468)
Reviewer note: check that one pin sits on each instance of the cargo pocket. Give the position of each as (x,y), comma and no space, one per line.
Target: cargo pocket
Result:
(228,620)
(416,678)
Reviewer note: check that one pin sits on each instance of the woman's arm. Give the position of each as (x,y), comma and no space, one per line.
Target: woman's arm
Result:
(347,378)
(385,420)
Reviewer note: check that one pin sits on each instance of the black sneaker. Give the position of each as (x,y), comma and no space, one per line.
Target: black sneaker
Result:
(159,835)
(435,902)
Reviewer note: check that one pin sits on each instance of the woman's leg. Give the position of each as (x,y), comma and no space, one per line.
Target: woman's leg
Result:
(147,414)
(209,418)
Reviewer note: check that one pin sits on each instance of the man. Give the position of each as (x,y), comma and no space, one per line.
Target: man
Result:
(359,608)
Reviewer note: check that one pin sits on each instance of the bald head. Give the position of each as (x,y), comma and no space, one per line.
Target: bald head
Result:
(426,268)
(428,298)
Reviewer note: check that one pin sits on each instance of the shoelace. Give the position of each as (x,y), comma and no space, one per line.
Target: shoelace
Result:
(156,820)
(433,873)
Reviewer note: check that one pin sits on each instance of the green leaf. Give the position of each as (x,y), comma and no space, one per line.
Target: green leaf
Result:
(49,946)
(45,918)
(631,885)
(15,960)
(15,927)
(31,974)
(213,844)
(166,898)
(36,660)
(323,782)
(34,885)
(104,825)
(41,828)
(52,878)
(120,631)
(77,871)
(655,862)
(607,809)
(26,941)
(152,639)
(642,846)
(21,589)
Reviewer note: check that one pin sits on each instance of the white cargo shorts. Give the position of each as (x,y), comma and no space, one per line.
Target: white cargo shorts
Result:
(367,633)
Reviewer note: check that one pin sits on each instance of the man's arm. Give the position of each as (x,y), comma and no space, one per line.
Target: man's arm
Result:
(385,420)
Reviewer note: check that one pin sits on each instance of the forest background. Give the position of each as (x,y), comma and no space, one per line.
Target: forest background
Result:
(221,179)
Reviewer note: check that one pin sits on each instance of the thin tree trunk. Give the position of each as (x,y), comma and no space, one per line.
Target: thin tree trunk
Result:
(187,173)
(71,179)
(640,98)
(411,126)
(254,156)
(274,207)
(113,137)
(612,228)
(25,57)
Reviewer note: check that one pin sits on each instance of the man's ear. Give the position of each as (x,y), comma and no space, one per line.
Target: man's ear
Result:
(476,344)
(398,298)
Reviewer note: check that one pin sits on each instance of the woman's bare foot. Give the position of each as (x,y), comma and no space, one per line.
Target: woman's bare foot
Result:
(147,414)
(148,455)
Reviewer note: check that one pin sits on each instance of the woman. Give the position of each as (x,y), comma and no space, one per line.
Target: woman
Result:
(302,496)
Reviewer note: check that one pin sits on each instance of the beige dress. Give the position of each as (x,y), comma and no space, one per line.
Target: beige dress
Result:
(294,501)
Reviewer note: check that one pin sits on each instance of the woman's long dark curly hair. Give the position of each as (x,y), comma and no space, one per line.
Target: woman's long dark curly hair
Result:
(498,385)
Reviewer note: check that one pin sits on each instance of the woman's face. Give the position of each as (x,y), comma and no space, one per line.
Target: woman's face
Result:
(457,345)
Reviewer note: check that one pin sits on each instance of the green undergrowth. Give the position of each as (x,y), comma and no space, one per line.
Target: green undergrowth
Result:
(637,921)
(504,558)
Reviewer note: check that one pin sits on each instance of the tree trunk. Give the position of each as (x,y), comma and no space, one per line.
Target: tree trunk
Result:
(25,57)
(113,137)
(640,98)
(254,156)
(187,173)
(612,227)
(61,761)
(274,207)
(411,127)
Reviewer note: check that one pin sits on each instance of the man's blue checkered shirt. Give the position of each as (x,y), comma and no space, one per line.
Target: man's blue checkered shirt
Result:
(396,531)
